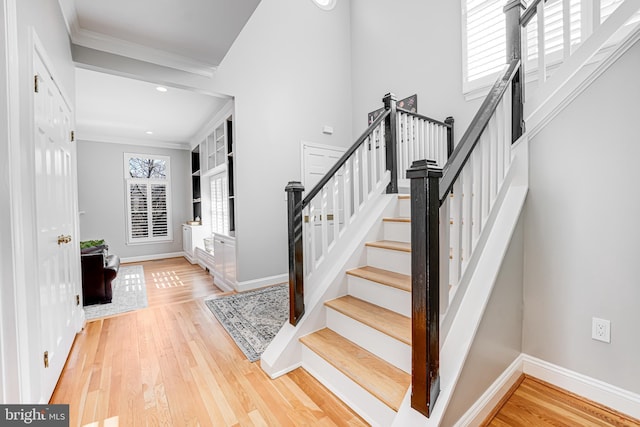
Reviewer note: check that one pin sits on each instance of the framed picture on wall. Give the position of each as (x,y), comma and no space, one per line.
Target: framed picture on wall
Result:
(409,103)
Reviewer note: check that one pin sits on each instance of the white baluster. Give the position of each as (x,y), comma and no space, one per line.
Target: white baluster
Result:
(485,147)
(456,232)
(507,133)
(501,116)
(324,225)
(476,196)
(311,240)
(336,205)
(356,182)
(542,67)
(566,28)
(467,214)
(365,172)
(346,193)
(493,157)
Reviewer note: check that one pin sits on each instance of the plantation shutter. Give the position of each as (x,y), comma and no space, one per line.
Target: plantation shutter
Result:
(219,204)
(139,211)
(148,211)
(484,27)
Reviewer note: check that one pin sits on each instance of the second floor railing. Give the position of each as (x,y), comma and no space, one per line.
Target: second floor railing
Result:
(317,222)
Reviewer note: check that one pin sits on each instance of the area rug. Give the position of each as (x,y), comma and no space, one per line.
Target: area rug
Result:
(252,318)
(129,294)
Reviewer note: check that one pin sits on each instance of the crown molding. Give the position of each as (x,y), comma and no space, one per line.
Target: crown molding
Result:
(116,46)
(94,137)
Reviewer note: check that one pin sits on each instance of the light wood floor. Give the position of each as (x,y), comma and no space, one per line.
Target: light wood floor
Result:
(173,364)
(537,403)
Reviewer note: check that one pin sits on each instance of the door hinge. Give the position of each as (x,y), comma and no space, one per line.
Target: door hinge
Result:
(77,299)
(46,359)
(35,83)
(73,135)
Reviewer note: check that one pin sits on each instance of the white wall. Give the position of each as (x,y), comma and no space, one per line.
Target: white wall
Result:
(498,341)
(21,348)
(582,233)
(407,47)
(289,71)
(102,196)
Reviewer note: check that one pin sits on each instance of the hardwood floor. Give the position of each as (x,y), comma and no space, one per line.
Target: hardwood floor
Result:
(537,403)
(173,364)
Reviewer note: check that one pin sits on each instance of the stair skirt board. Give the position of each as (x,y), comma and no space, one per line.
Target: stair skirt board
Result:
(374,411)
(384,296)
(396,261)
(382,345)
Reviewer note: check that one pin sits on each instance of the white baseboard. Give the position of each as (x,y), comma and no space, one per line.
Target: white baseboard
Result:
(152,257)
(248,285)
(492,396)
(598,391)
(618,399)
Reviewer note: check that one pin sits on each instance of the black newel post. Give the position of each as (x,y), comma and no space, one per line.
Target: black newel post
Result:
(391,141)
(425,284)
(296,272)
(449,121)
(513,10)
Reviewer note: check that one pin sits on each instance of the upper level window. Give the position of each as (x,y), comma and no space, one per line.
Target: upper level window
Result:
(483,38)
(148,188)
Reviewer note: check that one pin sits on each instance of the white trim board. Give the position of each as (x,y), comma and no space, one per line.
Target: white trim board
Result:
(151,257)
(172,145)
(248,285)
(598,391)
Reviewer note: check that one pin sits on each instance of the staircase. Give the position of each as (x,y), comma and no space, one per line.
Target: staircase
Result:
(355,323)
(365,347)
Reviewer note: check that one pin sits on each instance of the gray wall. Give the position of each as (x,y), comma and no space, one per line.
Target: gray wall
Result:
(102,197)
(582,233)
(498,341)
(289,71)
(407,47)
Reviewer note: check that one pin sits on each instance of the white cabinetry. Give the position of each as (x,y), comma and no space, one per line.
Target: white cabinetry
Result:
(224,254)
(192,236)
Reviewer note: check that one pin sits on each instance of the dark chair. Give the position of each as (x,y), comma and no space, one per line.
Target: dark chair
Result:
(98,271)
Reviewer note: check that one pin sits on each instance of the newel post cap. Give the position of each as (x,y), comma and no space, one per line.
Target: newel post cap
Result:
(514,3)
(294,186)
(424,169)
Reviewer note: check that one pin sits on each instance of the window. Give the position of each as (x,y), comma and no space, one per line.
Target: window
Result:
(483,27)
(219,203)
(148,198)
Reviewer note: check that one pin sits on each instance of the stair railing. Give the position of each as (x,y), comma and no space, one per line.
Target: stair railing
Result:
(474,174)
(317,222)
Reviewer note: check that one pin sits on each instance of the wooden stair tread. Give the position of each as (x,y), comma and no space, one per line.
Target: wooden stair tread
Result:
(386,321)
(396,219)
(386,382)
(404,196)
(385,277)
(391,245)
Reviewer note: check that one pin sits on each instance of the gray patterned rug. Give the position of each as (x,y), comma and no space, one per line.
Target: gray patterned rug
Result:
(129,293)
(253,318)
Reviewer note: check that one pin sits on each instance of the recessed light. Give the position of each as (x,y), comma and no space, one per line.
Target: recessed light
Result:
(325,4)
(149,132)
(161,89)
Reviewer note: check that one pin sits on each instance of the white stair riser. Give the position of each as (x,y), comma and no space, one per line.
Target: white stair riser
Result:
(397,231)
(376,293)
(385,347)
(404,208)
(361,401)
(386,259)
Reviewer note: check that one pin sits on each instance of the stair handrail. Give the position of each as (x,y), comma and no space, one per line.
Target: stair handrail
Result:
(464,148)
(347,154)
(430,186)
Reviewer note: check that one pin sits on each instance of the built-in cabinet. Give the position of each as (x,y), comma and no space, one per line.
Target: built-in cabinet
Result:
(192,235)
(213,169)
(224,255)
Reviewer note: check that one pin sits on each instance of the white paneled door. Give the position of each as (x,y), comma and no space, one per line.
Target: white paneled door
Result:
(58,256)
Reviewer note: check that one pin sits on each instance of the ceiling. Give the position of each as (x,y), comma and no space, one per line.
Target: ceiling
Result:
(118,109)
(192,36)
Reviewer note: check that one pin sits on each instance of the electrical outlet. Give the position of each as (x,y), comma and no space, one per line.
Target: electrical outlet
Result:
(601,330)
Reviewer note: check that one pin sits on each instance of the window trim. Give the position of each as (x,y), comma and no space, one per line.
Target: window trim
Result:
(480,87)
(128,181)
